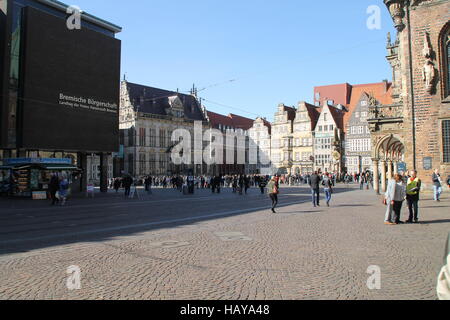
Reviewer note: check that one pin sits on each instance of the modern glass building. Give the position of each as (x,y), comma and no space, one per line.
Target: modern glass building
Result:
(59,86)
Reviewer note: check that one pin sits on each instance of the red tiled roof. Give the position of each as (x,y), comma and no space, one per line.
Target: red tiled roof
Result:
(349,95)
(240,122)
(339,93)
(381,91)
(232,121)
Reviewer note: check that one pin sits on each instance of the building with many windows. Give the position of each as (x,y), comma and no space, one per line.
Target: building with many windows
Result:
(235,156)
(329,139)
(260,135)
(148,117)
(354,97)
(282,139)
(358,144)
(305,123)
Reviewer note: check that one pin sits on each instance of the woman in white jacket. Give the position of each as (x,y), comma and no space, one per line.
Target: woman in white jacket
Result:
(394,197)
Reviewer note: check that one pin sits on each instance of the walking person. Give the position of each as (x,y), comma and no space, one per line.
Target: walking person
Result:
(246,184)
(53,188)
(394,197)
(362,181)
(127,181)
(273,190)
(437,181)
(262,185)
(413,188)
(314,183)
(63,189)
(117,184)
(328,187)
(241,185)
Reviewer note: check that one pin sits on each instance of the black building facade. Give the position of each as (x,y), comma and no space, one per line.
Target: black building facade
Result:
(60,87)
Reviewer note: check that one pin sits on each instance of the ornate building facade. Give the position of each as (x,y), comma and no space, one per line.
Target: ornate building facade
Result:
(305,123)
(260,135)
(358,142)
(329,139)
(148,117)
(282,139)
(415,127)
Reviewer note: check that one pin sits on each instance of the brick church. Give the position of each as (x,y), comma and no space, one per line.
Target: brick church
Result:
(414,131)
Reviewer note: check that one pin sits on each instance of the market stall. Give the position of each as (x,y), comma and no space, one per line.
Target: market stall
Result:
(30,177)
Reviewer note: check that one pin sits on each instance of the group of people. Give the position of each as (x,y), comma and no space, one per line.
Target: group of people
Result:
(317,180)
(408,187)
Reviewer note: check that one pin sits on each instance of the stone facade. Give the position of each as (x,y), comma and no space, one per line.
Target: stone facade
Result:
(305,123)
(358,142)
(148,117)
(260,135)
(282,139)
(413,127)
(329,139)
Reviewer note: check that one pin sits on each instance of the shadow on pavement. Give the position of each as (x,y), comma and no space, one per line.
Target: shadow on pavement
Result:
(37,225)
(436,221)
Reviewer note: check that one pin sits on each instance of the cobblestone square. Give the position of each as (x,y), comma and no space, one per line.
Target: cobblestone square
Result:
(209,247)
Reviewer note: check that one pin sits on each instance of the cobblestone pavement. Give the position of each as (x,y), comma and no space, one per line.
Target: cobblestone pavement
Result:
(233,249)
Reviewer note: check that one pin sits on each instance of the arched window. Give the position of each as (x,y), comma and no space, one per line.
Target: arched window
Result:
(445,60)
(447,52)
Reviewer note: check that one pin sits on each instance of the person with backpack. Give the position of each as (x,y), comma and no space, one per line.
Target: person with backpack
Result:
(262,184)
(273,190)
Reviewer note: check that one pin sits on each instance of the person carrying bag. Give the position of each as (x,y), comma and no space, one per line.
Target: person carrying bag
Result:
(273,190)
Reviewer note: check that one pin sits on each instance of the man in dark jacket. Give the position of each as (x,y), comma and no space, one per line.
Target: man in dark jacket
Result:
(314,183)
(53,187)
(262,185)
(127,181)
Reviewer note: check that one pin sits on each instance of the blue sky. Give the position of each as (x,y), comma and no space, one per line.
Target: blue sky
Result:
(276,51)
